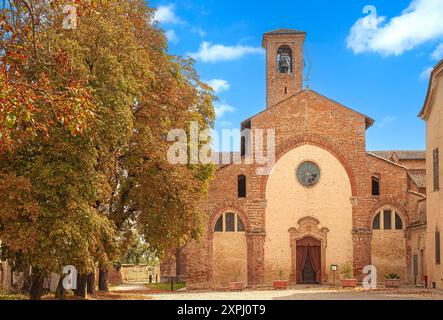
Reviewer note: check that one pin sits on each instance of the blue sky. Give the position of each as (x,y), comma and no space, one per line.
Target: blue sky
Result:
(375,62)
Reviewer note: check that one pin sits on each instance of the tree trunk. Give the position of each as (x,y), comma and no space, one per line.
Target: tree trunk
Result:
(27,279)
(103,280)
(91,283)
(37,281)
(60,293)
(81,286)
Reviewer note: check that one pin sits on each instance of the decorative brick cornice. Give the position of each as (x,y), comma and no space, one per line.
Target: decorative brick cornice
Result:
(362,234)
(256,234)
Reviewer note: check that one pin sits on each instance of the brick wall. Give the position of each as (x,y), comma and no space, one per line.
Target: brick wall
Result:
(300,118)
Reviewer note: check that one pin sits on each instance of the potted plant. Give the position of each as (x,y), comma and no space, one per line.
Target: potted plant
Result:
(347,273)
(392,280)
(236,285)
(281,284)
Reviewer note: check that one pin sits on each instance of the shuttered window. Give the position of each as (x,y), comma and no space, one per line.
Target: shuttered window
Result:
(415,265)
(436,170)
(437,248)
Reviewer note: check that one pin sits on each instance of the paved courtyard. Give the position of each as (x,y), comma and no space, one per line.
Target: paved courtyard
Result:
(296,293)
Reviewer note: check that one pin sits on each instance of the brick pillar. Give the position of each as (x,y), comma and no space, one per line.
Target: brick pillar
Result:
(256,258)
(362,250)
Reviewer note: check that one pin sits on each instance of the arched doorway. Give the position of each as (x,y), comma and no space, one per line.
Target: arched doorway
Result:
(389,242)
(229,250)
(309,269)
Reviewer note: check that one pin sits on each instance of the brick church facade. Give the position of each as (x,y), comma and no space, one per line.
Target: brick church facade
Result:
(327,201)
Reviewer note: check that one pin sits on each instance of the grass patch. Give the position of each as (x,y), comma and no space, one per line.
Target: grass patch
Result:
(166,286)
(13,297)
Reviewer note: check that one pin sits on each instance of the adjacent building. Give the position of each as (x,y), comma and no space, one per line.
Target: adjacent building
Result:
(432,113)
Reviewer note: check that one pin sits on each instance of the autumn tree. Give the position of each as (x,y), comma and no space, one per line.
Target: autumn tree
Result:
(85,116)
(37,88)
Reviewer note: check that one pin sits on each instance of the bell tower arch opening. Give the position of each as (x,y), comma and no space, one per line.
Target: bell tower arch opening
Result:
(284,60)
(284,64)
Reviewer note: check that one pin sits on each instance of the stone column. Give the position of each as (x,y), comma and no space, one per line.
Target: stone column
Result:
(362,251)
(256,258)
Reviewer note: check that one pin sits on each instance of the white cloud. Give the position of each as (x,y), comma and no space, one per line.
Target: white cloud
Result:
(438,52)
(219,85)
(171,36)
(199,31)
(216,52)
(421,22)
(221,109)
(166,14)
(386,121)
(426,74)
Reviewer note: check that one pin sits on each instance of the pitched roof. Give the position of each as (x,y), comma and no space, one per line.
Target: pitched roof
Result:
(411,155)
(383,154)
(369,120)
(436,72)
(419,178)
(401,154)
(285,31)
(375,155)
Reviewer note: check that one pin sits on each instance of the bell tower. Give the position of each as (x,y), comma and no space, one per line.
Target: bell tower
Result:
(284,64)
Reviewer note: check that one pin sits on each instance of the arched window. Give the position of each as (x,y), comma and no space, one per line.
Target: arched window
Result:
(229,222)
(376,222)
(241,186)
(398,222)
(387,219)
(219,225)
(284,60)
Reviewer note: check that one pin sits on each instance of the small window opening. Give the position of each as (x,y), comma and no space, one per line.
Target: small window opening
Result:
(375,186)
(242,186)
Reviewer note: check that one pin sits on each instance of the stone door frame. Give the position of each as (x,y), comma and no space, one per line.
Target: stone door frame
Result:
(308,227)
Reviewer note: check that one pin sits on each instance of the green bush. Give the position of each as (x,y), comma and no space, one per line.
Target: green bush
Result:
(347,271)
(392,276)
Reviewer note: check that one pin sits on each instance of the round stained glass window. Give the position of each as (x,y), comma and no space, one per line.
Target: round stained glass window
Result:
(308,174)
